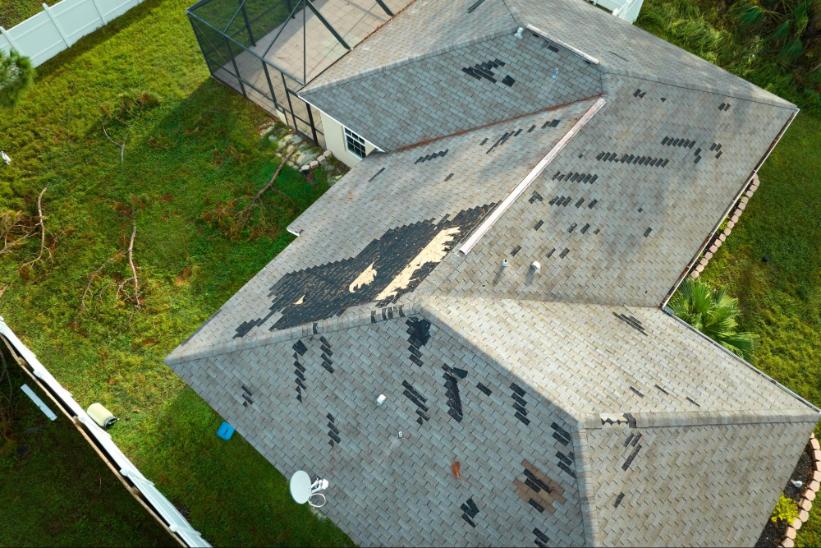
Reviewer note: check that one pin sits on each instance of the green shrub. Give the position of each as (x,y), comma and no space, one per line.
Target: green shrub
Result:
(16,74)
(786,510)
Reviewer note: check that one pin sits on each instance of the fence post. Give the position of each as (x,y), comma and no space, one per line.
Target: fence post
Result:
(56,26)
(7,35)
(99,12)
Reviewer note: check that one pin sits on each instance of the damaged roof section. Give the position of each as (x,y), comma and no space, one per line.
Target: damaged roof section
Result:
(393,220)
(461,88)
(622,210)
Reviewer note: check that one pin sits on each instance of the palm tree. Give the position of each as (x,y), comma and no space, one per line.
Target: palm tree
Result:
(785,24)
(714,313)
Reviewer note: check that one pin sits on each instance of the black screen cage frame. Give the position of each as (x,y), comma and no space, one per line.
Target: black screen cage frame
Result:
(229,33)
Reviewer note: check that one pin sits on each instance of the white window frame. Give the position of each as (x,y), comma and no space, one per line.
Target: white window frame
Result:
(356,139)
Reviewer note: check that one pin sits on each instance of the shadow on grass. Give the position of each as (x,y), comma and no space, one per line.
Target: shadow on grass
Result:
(96,38)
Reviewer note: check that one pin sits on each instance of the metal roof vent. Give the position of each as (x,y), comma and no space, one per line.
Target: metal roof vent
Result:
(519,33)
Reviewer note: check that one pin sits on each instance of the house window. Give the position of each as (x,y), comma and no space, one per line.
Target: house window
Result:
(354,143)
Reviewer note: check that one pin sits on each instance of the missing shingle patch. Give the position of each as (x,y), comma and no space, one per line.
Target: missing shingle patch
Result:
(632,321)
(560,434)
(618,500)
(469,511)
(631,457)
(246,396)
(452,376)
(333,431)
(327,362)
(475,5)
(537,489)
(377,174)
(508,81)
(487,391)
(519,403)
(418,400)
(431,156)
(541,539)
(484,70)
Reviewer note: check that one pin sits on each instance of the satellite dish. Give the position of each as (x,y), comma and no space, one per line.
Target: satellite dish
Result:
(303,490)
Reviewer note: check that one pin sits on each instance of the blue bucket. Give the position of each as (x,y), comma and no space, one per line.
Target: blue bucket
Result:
(225,431)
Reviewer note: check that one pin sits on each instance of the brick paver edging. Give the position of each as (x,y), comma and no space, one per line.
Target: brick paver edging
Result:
(807,497)
(721,236)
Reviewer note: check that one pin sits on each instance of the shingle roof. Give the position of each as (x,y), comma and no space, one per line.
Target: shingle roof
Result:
(444,68)
(629,201)
(460,88)
(578,411)
(540,404)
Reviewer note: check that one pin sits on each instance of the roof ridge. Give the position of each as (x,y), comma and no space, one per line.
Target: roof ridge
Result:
(361,315)
(500,209)
(496,123)
(675,419)
(705,89)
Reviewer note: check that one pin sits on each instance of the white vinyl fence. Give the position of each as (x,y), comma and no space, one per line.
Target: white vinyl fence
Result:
(155,501)
(57,27)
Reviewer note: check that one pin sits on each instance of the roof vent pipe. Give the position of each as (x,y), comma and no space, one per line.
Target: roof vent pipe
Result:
(519,33)
(535,266)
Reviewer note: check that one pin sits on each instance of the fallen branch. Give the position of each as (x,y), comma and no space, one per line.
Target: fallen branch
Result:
(10,225)
(246,212)
(92,277)
(121,145)
(41,224)
(131,264)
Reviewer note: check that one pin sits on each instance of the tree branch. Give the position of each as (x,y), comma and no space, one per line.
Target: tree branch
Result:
(131,264)
(121,145)
(246,212)
(41,224)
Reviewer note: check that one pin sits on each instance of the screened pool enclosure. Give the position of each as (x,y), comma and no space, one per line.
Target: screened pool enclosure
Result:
(269,49)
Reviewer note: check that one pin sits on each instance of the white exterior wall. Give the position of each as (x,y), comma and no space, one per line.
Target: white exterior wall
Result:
(335,141)
(625,9)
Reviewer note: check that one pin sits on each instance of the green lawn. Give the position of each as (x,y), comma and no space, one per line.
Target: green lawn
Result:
(15,11)
(198,149)
(68,493)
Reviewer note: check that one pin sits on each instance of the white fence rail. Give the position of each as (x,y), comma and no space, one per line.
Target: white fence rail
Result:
(165,511)
(57,27)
